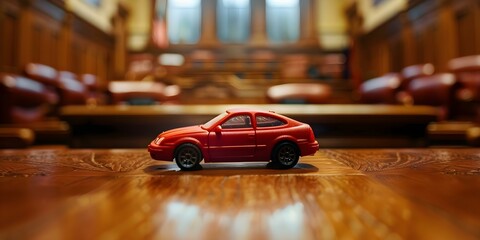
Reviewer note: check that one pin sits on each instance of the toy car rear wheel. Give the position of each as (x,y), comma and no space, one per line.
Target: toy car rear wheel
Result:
(285,155)
(188,157)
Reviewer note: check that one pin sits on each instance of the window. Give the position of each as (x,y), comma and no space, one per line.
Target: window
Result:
(266,121)
(210,123)
(233,20)
(183,21)
(239,121)
(283,20)
(94,2)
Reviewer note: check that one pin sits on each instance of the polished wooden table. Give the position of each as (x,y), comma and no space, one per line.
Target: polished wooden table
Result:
(336,194)
(335,125)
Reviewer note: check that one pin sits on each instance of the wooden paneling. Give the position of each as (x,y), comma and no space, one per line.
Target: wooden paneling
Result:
(425,38)
(44,31)
(90,57)
(428,31)
(9,25)
(467,21)
(396,54)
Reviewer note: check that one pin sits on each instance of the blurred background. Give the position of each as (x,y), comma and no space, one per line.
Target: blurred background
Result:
(73,71)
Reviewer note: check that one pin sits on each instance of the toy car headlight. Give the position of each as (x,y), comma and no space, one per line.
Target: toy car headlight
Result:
(158,140)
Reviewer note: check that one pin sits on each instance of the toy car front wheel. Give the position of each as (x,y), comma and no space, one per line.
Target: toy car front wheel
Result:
(188,156)
(285,155)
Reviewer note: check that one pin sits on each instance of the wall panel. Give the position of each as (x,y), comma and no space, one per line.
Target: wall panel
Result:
(9,25)
(427,31)
(44,31)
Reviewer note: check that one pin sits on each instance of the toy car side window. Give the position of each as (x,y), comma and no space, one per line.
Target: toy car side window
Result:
(267,121)
(239,121)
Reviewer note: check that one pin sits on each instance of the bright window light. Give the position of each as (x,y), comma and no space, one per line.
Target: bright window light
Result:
(171,59)
(184,3)
(236,3)
(282,3)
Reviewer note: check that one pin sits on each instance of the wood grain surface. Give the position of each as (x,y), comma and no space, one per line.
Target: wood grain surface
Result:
(336,194)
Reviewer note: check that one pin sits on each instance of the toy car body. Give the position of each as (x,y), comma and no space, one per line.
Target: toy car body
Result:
(237,136)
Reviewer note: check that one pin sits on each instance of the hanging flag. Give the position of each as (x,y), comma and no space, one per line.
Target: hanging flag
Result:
(160,33)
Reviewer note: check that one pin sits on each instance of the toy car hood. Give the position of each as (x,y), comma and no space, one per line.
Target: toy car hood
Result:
(180,131)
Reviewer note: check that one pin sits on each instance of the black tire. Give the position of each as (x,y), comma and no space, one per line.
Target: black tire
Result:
(188,157)
(285,155)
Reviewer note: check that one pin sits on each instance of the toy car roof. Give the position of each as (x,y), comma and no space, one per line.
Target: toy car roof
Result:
(240,110)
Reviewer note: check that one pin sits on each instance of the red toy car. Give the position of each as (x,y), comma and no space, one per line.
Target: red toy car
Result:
(237,136)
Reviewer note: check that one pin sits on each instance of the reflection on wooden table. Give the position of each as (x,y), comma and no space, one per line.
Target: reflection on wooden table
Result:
(367,194)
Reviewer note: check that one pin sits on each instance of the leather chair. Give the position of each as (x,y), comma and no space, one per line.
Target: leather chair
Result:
(408,74)
(24,108)
(42,73)
(71,90)
(94,97)
(45,75)
(436,90)
(22,100)
(467,72)
(308,93)
(90,81)
(381,90)
(64,84)
(416,71)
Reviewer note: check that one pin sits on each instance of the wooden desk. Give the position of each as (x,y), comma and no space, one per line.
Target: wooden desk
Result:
(334,125)
(45,132)
(345,194)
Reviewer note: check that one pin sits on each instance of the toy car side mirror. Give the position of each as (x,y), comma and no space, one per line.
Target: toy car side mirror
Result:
(218,129)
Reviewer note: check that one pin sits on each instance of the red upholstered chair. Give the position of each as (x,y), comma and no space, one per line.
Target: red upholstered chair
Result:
(25,106)
(408,74)
(94,97)
(436,90)
(66,85)
(381,90)
(467,72)
(71,90)
(310,93)
(45,75)
(42,73)
(90,81)
(22,100)
(416,71)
